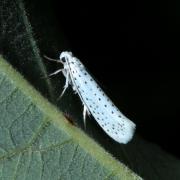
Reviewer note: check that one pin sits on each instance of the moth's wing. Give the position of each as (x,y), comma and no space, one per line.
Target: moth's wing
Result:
(113,122)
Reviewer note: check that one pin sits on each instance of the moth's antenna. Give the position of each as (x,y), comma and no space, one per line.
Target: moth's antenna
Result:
(54,60)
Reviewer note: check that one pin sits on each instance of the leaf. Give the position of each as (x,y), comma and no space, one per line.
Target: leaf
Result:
(38,143)
(20,48)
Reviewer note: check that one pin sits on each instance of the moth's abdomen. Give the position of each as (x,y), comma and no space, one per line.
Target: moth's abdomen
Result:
(113,122)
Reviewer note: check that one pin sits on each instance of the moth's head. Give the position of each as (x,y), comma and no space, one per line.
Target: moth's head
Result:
(65,56)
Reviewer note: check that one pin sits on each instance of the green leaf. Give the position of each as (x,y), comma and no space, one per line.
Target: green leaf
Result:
(19,46)
(37,142)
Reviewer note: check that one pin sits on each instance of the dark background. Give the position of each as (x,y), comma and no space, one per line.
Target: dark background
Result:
(132,48)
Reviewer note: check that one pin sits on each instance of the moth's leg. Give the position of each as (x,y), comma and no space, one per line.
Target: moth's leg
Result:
(54,73)
(84,114)
(65,86)
(74,88)
(50,59)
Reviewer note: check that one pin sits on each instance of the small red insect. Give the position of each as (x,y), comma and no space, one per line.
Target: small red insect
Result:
(69,118)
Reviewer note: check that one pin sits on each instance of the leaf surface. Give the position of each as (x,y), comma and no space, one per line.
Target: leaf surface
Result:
(37,142)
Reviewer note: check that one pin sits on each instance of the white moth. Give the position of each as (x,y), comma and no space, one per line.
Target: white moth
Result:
(94,100)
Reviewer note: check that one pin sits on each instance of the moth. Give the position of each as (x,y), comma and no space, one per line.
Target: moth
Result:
(94,100)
